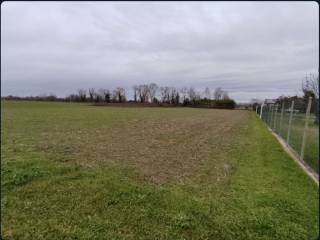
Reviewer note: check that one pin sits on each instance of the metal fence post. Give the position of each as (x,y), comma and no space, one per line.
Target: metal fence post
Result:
(257,109)
(275,117)
(281,118)
(261,110)
(269,114)
(272,116)
(306,125)
(290,121)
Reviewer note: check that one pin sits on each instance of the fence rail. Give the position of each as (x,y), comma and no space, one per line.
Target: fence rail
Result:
(297,123)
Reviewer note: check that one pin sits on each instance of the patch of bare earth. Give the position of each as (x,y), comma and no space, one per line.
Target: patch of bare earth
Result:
(186,147)
(166,148)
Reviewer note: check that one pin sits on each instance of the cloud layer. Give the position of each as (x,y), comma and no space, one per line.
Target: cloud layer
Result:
(256,49)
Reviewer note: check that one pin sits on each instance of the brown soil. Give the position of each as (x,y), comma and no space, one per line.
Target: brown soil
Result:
(167,147)
(133,104)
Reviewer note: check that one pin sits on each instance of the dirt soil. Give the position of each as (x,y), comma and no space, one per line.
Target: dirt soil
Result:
(163,148)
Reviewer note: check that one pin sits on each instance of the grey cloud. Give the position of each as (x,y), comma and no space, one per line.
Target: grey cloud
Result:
(252,49)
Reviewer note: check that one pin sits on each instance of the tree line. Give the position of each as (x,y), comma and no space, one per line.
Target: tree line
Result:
(147,93)
(152,93)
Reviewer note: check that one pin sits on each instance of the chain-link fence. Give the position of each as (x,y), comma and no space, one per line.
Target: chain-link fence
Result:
(296,121)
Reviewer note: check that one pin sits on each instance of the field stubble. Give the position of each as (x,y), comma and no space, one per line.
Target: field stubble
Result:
(73,171)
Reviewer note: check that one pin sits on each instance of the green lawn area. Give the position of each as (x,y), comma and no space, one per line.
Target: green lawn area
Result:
(75,171)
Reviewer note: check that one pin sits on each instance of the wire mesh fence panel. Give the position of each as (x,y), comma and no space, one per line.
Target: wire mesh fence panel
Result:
(311,152)
(287,118)
(279,118)
(264,112)
(269,114)
(277,115)
(297,128)
(284,120)
(294,130)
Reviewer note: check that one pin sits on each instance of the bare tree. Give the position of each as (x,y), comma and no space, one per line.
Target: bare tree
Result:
(173,95)
(143,91)
(218,93)
(114,96)
(207,93)
(152,88)
(135,92)
(310,88)
(98,97)
(105,94)
(311,84)
(91,94)
(140,91)
(122,95)
(72,97)
(184,93)
(192,94)
(119,95)
(177,98)
(165,94)
(82,94)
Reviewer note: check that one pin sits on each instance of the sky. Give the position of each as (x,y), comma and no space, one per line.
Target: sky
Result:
(250,49)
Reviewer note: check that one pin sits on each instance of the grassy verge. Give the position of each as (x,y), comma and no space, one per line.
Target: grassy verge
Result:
(311,153)
(243,186)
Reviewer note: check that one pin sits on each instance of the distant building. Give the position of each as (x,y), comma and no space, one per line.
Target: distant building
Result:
(269,101)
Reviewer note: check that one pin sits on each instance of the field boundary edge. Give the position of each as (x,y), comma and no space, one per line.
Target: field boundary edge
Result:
(310,172)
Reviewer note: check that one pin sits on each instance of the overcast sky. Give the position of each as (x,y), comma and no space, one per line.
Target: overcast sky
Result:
(252,50)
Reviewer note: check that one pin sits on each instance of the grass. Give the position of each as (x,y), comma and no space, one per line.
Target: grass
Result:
(73,171)
(311,153)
